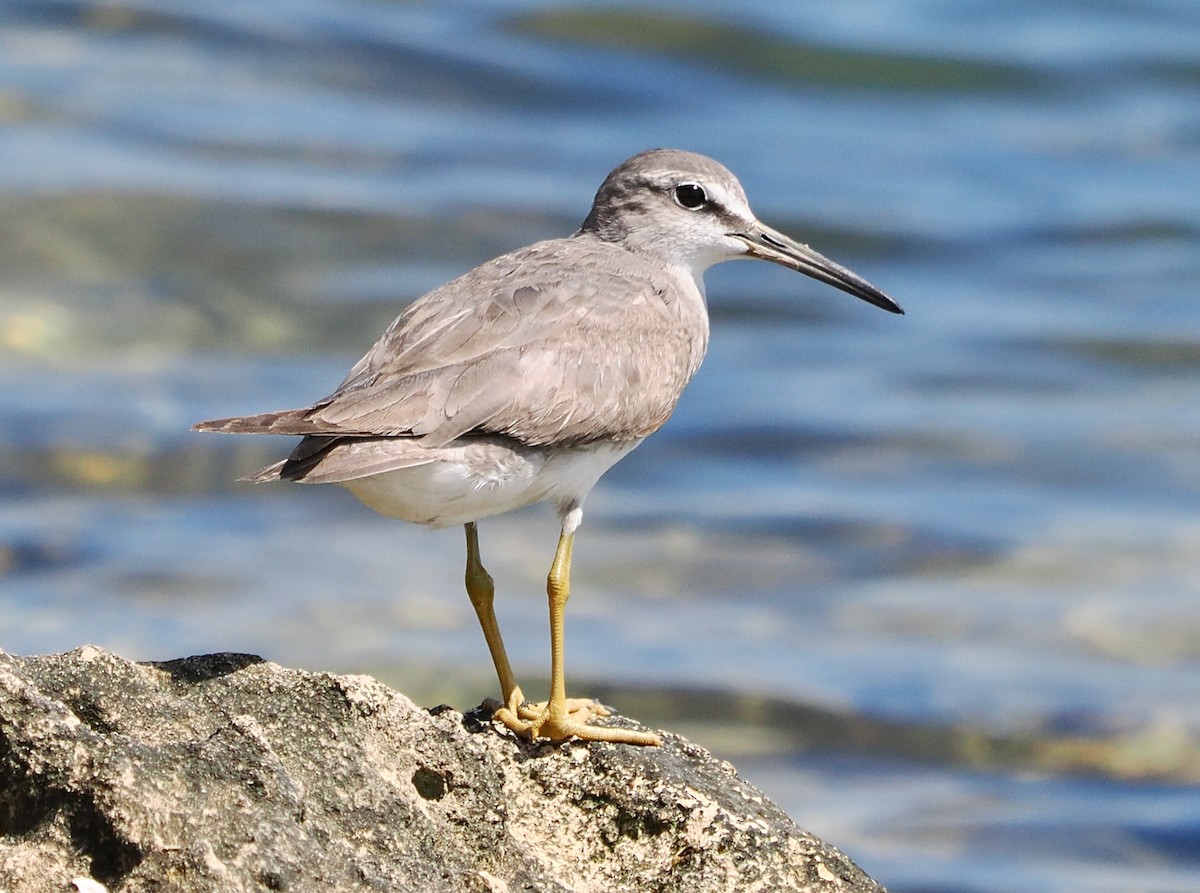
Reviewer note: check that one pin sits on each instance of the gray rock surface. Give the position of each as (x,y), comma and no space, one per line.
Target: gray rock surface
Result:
(227,773)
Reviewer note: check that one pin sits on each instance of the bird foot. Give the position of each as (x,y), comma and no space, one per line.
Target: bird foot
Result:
(570,719)
(578,709)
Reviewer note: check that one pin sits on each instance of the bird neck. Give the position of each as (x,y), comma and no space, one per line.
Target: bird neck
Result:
(677,257)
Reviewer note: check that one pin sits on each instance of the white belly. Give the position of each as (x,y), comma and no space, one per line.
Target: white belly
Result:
(469,482)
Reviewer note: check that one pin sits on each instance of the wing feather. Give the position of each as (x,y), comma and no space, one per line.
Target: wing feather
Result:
(514,347)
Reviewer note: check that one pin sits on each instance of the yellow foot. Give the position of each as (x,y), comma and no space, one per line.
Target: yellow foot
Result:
(559,725)
(571,720)
(578,709)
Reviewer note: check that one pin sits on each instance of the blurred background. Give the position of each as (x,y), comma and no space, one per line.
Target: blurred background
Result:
(932,582)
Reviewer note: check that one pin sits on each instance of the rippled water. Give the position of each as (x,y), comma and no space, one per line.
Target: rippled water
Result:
(931,581)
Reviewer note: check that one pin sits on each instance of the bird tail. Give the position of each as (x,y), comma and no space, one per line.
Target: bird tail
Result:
(291,421)
(288,421)
(266,475)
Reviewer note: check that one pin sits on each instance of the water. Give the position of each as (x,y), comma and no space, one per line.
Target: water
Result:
(959,549)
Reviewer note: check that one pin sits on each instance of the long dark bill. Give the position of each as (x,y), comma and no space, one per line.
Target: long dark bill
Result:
(768,244)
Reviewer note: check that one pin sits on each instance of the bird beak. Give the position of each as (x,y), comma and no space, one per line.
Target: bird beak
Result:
(768,244)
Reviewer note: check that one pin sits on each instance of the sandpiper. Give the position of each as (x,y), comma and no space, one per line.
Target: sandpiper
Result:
(527,378)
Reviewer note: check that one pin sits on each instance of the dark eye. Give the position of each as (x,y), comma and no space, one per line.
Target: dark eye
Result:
(690,196)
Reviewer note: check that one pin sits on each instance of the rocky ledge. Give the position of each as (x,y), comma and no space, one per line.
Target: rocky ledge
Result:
(228,773)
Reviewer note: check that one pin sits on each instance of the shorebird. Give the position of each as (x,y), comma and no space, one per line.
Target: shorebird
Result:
(527,378)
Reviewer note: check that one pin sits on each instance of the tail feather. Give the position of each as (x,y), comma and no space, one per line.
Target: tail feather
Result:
(335,460)
(289,421)
(266,475)
(323,457)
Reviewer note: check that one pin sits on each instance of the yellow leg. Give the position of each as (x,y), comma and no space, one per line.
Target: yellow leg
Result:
(560,719)
(481,590)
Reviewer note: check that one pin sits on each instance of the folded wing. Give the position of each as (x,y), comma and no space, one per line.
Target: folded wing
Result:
(553,359)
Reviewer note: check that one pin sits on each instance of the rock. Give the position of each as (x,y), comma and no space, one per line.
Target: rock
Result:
(227,773)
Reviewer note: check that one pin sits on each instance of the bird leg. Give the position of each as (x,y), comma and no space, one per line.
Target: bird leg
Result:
(481,590)
(512,711)
(560,718)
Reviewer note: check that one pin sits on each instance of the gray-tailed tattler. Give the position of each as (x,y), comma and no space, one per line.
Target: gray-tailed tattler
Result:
(527,378)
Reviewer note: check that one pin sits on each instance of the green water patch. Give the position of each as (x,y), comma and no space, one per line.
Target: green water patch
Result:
(749,52)
(107,270)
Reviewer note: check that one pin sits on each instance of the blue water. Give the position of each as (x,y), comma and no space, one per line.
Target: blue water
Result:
(979,521)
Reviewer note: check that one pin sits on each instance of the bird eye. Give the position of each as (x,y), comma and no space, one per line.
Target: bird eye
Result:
(690,196)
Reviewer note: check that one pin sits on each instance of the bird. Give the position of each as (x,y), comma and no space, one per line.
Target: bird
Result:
(525,379)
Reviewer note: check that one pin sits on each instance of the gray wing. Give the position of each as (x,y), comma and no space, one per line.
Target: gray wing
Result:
(564,341)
